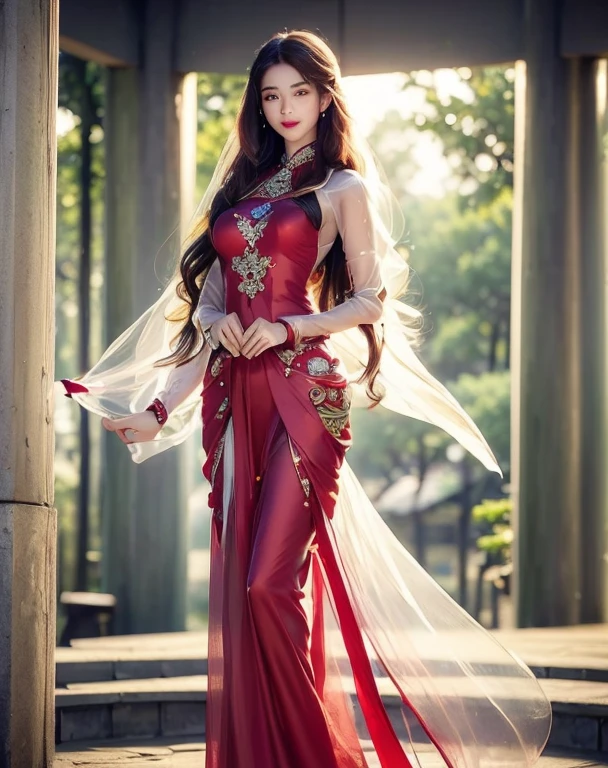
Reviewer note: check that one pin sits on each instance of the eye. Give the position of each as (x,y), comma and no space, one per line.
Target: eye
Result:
(270,96)
(302,92)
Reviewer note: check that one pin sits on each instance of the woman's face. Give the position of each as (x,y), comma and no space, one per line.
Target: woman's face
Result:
(291,106)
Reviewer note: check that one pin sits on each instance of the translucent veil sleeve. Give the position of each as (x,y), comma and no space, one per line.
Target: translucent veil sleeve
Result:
(353,215)
(125,379)
(212,301)
(361,210)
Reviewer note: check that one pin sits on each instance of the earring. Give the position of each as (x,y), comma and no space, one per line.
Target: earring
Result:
(323,114)
(263,121)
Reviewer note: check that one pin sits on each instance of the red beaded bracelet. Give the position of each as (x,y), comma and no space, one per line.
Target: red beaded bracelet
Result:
(159,410)
(291,337)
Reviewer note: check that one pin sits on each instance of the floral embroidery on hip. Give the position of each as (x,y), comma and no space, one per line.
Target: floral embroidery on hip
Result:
(333,406)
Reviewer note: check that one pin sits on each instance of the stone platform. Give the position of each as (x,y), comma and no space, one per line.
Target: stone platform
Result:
(147,687)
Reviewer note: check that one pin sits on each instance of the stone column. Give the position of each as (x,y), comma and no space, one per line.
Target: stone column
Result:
(28,98)
(559,378)
(118,471)
(589,204)
(145,506)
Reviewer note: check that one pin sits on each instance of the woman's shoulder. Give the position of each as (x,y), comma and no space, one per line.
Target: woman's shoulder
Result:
(343,180)
(346,176)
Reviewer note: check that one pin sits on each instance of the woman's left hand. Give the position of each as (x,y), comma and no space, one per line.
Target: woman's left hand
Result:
(262,335)
(136,428)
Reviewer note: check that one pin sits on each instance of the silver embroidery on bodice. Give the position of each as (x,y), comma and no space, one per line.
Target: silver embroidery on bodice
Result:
(251,266)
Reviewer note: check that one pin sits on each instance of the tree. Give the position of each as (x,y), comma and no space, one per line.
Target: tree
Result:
(460,254)
(218,100)
(462,260)
(476,127)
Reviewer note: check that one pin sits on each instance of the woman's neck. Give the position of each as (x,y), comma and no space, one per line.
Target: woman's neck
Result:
(291,147)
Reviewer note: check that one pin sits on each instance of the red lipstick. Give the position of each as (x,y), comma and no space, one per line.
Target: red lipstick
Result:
(290,123)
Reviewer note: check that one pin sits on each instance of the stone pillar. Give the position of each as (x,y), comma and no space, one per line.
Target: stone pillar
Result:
(118,471)
(29,38)
(559,378)
(589,203)
(144,506)
(602,103)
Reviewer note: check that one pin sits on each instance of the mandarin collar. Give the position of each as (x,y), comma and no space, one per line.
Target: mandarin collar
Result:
(300,156)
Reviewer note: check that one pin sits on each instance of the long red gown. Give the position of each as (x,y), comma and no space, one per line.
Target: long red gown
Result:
(290,430)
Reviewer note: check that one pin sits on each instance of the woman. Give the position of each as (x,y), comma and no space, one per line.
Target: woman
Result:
(290,283)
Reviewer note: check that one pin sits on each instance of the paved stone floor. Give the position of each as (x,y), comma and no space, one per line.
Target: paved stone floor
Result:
(165,753)
(188,754)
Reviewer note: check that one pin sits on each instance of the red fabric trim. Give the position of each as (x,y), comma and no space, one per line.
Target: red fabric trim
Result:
(290,341)
(73,387)
(158,409)
(386,742)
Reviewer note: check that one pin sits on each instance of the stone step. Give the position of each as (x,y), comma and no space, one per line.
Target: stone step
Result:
(189,753)
(81,665)
(176,707)
(566,653)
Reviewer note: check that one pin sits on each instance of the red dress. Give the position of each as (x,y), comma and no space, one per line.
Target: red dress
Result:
(289,410)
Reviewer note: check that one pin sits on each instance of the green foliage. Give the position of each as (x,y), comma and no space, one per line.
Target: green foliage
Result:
(218,101)
(498,543)
(487,399)
(495,516)
(460,254)
(462,261)
(475,127)
(493,511)
(387,446)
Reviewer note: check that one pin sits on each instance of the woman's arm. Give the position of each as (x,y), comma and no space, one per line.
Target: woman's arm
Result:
(356,226)
(212,301)
(211,312)
(143,426)
(184,379)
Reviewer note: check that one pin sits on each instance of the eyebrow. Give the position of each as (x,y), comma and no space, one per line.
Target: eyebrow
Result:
(274,87)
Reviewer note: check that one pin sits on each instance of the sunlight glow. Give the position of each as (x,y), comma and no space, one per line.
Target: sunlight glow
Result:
(371,97)
(66,120)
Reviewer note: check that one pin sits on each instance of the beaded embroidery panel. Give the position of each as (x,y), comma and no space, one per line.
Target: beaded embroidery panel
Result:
(251,266)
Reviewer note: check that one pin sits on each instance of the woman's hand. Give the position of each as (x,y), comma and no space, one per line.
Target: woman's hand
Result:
(137,428)
(228,331)
(262,335)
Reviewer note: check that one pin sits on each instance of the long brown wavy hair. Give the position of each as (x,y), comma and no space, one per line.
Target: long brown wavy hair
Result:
(261,149)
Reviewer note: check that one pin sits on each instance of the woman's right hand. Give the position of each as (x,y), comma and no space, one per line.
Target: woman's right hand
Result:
(228,331)
(136,428)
